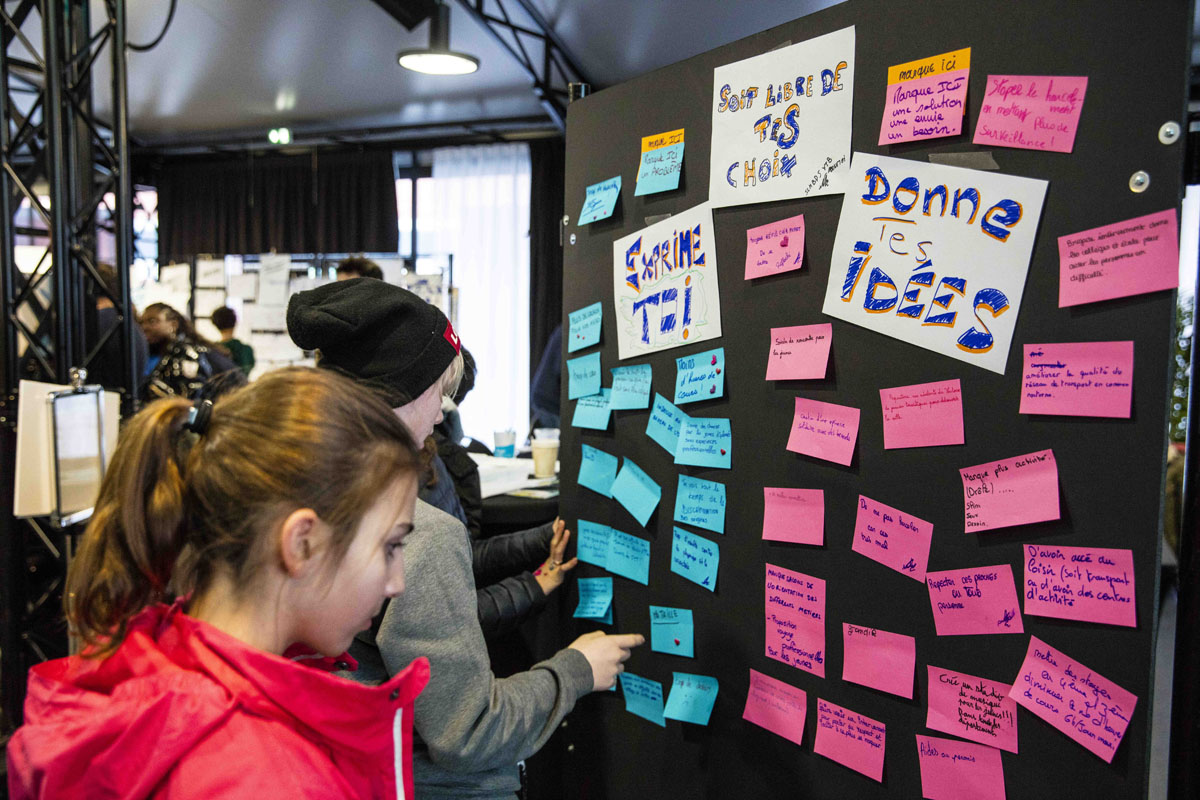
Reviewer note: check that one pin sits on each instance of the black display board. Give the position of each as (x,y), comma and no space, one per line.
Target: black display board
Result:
(1110,471)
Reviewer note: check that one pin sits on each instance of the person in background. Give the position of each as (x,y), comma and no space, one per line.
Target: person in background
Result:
(273,518)
(358,267)
(225,320)
(106,366)
(471,727)
(546,388)
(182,364)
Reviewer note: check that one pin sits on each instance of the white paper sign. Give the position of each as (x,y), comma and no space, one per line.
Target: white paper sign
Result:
(665,284)
(273,274)
(935,255)
(781,123)
(210,273)
(244,286)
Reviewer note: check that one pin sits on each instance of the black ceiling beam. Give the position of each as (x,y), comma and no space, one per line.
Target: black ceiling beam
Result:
(552,72)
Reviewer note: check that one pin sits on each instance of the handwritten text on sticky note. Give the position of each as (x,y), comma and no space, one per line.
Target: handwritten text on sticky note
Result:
(794,515)
(1011,491)
(879,659)
(892,537)
(775,248)
(695,558)
(800,352)
(700,503)
(776,706)
(600,200)
(643,697)
(671,631)
(1087,584)
(597,470)
(592,544)
(850,739)
(1076,700)
(664,424)
(628,556)
(922,415)
(795,612)
(637,491)
(953,770)
(1032,112)
(1078,379)
(973,708)
(583,376)
(705,442)
(692,698)
(824,430)
(1126,258)
(659,170)
(926,98)
(974,600)
(631,386)
(593,412)
(700,376)
(584,327)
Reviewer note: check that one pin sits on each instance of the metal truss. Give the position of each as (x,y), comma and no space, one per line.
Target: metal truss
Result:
(536,48)
(62,162)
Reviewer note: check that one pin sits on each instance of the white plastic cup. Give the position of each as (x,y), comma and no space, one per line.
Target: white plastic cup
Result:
(506,444)
(545,456)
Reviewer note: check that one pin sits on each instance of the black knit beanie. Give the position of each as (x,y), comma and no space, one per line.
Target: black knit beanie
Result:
(381,335)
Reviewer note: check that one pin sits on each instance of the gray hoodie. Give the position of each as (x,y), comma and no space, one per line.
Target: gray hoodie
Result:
(471,728)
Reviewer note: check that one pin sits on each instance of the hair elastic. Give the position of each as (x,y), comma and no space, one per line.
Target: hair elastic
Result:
(198,417)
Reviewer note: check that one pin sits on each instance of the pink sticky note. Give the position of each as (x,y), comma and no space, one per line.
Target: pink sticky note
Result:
(1088,584)
(775,248)
(974,600)
(1076,700)
(824,430)
(850,739)
(776,706)
(925,108)
(1033,112)
(1012,491)
(1136,256)
(795,612)
(973,708)
(800,352)
(1078,379)
(953,770)
(879,659)
(892,537)
(922,415)
(794,515)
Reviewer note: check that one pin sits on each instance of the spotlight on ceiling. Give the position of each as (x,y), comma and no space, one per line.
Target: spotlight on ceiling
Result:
(438,58)
(279,136)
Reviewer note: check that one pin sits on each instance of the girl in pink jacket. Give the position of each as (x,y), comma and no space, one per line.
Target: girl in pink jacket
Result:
(277,517)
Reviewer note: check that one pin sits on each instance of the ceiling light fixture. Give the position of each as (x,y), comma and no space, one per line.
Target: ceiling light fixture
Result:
(438,58)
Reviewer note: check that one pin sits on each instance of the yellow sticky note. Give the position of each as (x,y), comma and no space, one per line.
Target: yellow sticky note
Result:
(661,140)
(933,65)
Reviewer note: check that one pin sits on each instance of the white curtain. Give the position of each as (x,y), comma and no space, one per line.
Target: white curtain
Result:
(481,214)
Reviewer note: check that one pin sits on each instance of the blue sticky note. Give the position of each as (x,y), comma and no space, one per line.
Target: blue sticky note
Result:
(665,422)
(631,386)
(628,556)
(659,170)
(695,558)
(600,200)
(597,470)
(595,599)
(692,698)
(637,491)
(700,376)
(583,374)
(700,503)
(643,697)
(671,630)
(593,411)
(592,544)
(705,442)
(584,328)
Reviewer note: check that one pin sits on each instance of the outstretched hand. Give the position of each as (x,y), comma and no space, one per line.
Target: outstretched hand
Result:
(553,571)
(606,654)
